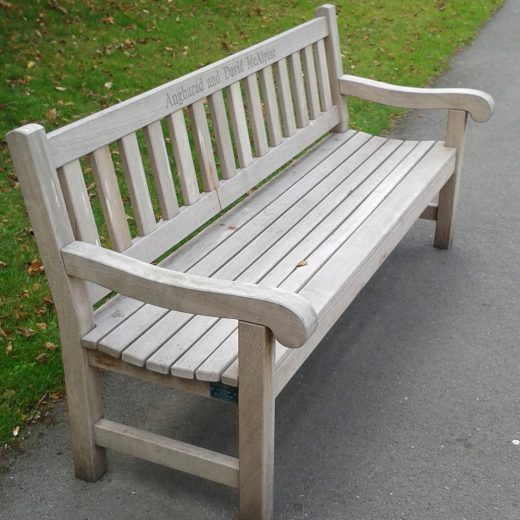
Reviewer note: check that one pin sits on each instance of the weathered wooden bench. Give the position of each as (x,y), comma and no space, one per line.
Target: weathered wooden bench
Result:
(235,311)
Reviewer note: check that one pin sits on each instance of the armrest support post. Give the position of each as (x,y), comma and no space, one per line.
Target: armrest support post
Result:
(455,132)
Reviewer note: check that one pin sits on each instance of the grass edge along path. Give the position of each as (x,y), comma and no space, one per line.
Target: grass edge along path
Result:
(64,59)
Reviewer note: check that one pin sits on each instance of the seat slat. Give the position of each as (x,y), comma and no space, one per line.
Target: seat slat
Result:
(78,203)
(110,198)
(311,84)
(320,59)
(117,340)
(136,183)
(298,90)
(183,158)
(203,145)
(161,170)
(286,102)
(272,116)
(222,134)
(254,109)
(239,124)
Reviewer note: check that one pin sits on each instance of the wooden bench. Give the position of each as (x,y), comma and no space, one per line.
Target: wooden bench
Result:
(235,311)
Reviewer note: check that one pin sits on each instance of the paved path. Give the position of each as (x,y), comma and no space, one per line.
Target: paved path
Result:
(410,408)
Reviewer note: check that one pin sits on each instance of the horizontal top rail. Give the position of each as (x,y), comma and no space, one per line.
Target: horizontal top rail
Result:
(83,136)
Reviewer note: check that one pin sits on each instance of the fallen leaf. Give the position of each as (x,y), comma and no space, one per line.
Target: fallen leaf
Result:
(50,346)
(42,325)
(30,64)
(51,114)
(2,333)
(41,358)
(108,19)
(48,300)
(61,89)
(232,228)
(35,267)
(108,85)
(15,431)
(26,332)
(185,50)
(20,315)
(301,263)
(9,349)
(3,265)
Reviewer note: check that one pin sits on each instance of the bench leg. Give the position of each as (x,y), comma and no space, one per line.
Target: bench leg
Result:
(256,421)
(83,386)
(448,195)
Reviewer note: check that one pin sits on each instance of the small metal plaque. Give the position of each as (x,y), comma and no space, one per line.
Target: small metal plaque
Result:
(224,392)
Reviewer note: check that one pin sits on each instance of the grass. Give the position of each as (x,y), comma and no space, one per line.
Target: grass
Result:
(64,59)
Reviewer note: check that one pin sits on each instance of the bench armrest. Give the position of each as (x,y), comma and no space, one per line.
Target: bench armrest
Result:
(477,103)
(290,316)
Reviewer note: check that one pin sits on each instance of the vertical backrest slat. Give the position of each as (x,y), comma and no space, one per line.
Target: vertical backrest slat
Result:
(78,203)
(161,170)
(183,157)
(203,145)
(217,108)
(254,109)
(298,90)
(334,64)
(274,128)
(286,103)
(239,123)
(136,183)
(110,198)
(320,58)
(311,84)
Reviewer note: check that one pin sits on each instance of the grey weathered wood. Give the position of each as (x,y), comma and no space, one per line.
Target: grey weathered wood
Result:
(298,90)
(334,64)
(320,59)
(103,361)
(272,114)
(222,135)
(203,145)
(256,421)
(256,119)
(311,82)
(284,92)
(52,228)
(477,103)
(167,452)
(78,203)
(161,170)
(110,198)
(183,158)
(455,132)
(430,212)
(239,123)
(136,184)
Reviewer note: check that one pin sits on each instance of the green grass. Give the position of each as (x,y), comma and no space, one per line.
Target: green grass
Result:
(63,59)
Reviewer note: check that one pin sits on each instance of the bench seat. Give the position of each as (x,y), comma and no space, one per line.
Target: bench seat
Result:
(321,228)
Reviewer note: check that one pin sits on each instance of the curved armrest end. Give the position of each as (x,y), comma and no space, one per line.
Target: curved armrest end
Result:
(477,103)
(290,316)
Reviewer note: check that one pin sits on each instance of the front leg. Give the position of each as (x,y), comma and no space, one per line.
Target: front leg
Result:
(256,352)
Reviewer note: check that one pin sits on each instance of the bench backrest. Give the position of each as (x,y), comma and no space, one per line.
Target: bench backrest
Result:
(230,125)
